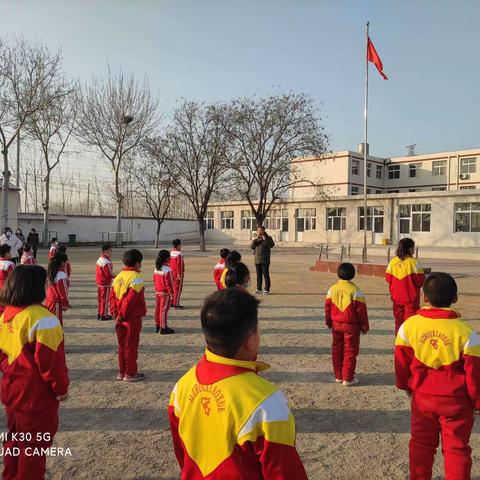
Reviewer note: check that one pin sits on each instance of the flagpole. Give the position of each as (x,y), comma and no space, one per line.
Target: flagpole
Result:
(365,148)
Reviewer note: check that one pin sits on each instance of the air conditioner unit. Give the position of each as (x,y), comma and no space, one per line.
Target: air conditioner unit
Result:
(464,176)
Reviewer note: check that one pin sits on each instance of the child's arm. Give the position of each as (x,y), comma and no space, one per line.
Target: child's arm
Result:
(113,303)
(270,431)
(328,310)
(133,303)
(50,355)
(360,306)
(403,359)
(471,364)
(174,421)
(62,288)
(418,276)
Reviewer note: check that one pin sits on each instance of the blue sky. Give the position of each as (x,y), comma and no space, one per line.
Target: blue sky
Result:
(210,50)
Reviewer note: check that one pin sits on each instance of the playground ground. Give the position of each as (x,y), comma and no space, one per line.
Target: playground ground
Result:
(118,430)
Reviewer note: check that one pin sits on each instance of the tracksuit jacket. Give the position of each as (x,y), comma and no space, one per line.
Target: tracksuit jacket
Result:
(177,264)
(28,259)
(163,283)
(103,278)
(437,359)
(217,273)
(52,251)
(57,295)
(346,314)
(227,422)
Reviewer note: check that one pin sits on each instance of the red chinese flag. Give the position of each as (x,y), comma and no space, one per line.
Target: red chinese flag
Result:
(373,57)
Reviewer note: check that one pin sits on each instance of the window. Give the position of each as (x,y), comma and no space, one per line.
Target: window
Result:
(277,220)
(394,191)
(379,171)
(412,190)
(354,190)
(378,191)
(248,220)
(227,220)
(414,169)
(355,167)
(369,190)
(374,215)
(393,172)
(415,218)
(468,165)
(336,218)
(439,189)
(306,219)
(467,217)
(468,187)
(369,169)
(439,167)
(208,221)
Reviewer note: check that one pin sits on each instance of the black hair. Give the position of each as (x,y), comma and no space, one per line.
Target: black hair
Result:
(27,247)
(228,316)
(224,253)
(237,275)
(8,229)
(54,265)
(4,249)
(162,258)
(233,258)
(53,240)
(346,271)
(106,247)
(32,230)
(404,248)
(176,243)
(24,286)
(62,248)
(132,257)
(440,288)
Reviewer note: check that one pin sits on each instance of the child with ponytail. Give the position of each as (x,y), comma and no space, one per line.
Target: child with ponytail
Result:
(163,281)
(57,285)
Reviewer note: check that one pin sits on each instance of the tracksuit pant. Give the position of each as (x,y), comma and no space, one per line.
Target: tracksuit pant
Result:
(177,290)
(162,306)
(103,299)
(39,429)
(450,417)
(345,348)
(263,271)
(402,311)
(128,335)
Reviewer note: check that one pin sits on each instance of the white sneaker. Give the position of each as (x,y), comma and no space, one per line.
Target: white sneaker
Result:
(257,292)
(266,292)
(350,384)
(338,380)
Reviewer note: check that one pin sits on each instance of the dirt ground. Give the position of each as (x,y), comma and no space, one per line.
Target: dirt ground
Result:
(119,430)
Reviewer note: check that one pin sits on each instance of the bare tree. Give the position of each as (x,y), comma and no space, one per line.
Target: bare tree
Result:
(52,128)
(264,136)
(117,113)
(194,148)
(153,183)
(30,76)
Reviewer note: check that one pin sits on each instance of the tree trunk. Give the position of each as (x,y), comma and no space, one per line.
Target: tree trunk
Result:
(118,198)
(46,208)
(201,234)
(260,217)
(157,236)
(6,184)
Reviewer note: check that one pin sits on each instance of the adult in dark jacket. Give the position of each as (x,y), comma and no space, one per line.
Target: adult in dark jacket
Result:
(261,247)
(33,239)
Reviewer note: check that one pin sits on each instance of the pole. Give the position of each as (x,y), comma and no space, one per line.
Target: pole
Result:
(17,178)
(88,199)
(365,223)
(26,191)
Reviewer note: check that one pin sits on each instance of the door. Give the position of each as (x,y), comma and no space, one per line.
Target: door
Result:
(404,230)
(299,230)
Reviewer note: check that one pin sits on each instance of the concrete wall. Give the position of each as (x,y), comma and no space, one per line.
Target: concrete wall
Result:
(90,228)
(13,207)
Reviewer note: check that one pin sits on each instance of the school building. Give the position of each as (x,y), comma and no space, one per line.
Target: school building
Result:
(432,198)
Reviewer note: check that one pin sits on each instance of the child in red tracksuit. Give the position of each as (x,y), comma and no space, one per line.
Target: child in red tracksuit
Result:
(35,375)
(219,267)
(104,278)
(6,266)
(127,304)
(437,363)
(405,277)
(177,264)
(163,282)
(346,315)
(53,248)
(57,289)
(68,266)
(27,255)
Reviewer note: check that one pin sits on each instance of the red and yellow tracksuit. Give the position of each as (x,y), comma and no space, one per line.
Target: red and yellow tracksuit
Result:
(127,304)
(217,273)
(437,359)
(52,252)
(6,268)
(28,259)
(346,314)
(104,278)
(227,422)
(405,279)
(32,361)
(177,264)
(57,295)
(163,282)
